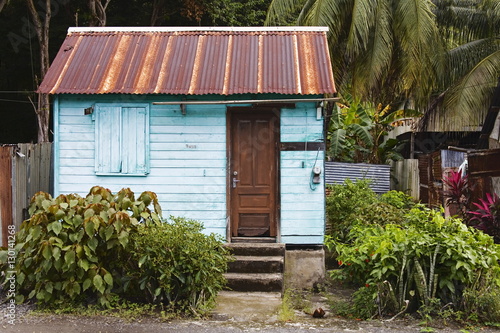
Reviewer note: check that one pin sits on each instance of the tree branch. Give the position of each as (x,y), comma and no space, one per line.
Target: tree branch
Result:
(2,4)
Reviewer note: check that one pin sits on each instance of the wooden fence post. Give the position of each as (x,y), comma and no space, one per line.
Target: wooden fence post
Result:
(5,192)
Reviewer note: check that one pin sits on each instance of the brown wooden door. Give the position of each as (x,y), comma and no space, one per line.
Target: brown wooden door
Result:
(253,172)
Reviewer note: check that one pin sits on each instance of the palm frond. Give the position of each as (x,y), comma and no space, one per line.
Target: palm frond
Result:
(280,8)
(305,10)
(376,59)
(360,27)
(462,59)
(420,43)
(330,13)
(465,21)
(467,101)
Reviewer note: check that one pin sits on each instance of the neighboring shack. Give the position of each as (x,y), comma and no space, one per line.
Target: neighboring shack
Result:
(225,125)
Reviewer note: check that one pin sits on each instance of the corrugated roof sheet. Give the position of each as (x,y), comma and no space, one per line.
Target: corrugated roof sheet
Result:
(191,61)
(378,174)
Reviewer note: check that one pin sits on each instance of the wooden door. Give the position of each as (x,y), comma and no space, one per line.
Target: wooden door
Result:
(253,143)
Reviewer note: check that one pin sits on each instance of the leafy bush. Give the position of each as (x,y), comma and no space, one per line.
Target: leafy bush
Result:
(179,265)
(354,203)
(398,199)
(342,204)
(72,247)
(378,213)
(426,257)
(486,217)
(481,300)
(361,305)
(78,250)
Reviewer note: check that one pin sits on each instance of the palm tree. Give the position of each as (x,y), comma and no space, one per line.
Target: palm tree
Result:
(471,33)
(385,51)
(443,55)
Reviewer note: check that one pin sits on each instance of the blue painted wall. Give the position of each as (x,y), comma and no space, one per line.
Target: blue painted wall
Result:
(187,161)
(302,204)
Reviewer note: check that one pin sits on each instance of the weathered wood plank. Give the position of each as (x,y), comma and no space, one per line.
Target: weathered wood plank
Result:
(159,135)
(5,192)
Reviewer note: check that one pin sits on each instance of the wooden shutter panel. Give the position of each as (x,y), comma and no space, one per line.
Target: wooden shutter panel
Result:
(108,139)
(135,140)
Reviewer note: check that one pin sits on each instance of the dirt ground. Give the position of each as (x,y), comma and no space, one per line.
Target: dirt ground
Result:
(236,312)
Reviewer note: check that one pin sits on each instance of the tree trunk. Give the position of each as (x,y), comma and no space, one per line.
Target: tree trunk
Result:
(157,10)
(2,4)
(98,13)
(42,31)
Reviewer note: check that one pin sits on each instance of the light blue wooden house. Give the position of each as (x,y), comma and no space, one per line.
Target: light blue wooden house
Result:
(225,124)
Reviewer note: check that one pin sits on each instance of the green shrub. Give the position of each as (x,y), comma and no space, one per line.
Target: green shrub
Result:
(342,204)
(354,203)
(177,264)
(75,250)
(379,213)
(426,257)
(71,247)
(481,300)
(397,199)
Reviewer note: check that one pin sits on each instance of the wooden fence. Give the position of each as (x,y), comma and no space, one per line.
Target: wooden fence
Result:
(24,170)
(405,177)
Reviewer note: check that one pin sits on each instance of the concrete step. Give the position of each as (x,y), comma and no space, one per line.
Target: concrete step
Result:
(257,249)
(257,264)
(265,282)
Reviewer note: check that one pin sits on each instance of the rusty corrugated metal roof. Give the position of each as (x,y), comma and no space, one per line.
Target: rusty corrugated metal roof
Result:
(195,61)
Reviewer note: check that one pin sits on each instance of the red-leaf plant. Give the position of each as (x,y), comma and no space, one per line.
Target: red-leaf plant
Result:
(458,190)
(487,215)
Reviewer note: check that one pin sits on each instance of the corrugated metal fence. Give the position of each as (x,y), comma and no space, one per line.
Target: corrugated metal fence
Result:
(379,174)
(25,170)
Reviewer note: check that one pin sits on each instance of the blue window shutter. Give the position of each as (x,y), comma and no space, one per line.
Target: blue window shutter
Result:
(135,140)
(108,139)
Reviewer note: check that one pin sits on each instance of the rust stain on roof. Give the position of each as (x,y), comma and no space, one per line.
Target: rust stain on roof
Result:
(194,62)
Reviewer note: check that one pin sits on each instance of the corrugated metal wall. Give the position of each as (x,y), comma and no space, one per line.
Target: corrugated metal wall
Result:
(379,174)
(25,171)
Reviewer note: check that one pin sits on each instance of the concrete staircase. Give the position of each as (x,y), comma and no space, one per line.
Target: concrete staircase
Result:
(258,267)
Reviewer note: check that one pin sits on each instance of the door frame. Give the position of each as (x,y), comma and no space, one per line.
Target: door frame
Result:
(230,111)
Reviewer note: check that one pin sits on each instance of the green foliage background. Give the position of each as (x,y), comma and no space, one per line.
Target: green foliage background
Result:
(405,257)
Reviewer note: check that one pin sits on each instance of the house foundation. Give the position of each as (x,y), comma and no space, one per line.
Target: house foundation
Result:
(304,267)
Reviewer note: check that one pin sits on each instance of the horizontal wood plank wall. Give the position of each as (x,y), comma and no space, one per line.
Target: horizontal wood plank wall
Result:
(188,162)
(302,208)
(187,158)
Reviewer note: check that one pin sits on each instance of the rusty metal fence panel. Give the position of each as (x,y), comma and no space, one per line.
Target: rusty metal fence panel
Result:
(25,170)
